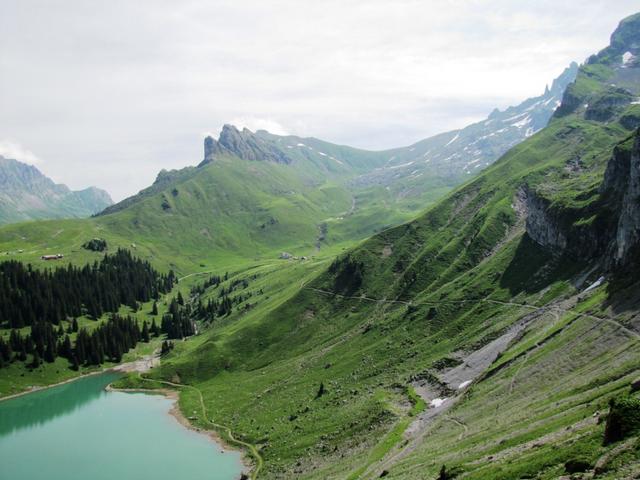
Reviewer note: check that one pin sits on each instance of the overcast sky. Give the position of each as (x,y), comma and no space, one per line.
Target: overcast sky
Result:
(108,92)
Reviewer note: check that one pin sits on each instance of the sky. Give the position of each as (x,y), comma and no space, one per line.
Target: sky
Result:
(109,92)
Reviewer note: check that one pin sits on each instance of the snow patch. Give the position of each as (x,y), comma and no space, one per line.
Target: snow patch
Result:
(322,153)
(453,140)
(515,117)
(595,284)
(627,57)
(402,165)
(525,121)
(436,402)
(464,384)
(300,145)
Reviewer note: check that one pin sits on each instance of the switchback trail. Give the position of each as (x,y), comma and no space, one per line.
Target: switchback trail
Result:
(609,320)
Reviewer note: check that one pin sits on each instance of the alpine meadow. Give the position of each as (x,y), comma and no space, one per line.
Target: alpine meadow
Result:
(285,307)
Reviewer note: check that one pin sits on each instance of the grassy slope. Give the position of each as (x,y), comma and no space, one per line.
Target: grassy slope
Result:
(261,372)
(227,212)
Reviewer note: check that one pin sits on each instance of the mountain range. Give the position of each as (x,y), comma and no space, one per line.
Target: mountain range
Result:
(488,338)
(27,194)
(464,307)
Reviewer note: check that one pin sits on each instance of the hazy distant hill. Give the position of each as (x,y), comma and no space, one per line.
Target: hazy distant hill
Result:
(27,194)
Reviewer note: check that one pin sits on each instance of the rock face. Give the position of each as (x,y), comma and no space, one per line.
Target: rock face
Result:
(620,62)
(614,232)
(541,225)
(609,104)
(243,144)
(27,194)
(622,182)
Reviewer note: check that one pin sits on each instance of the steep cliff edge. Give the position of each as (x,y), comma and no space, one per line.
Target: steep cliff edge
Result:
(622,182)
(607,229)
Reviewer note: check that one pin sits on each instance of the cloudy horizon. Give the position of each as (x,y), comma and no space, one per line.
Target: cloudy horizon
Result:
(130,88)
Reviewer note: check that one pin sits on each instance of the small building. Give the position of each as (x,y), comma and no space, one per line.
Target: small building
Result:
(57,256)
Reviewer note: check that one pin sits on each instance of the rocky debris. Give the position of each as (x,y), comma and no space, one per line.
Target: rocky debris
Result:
(243,144)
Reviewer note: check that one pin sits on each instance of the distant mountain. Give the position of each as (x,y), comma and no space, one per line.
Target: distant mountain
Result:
(27,194)
(456,156)
(255,194)
(415,175)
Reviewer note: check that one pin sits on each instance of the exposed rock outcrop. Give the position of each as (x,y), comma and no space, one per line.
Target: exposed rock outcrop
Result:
(622,184)
(542,226)
(243,144)
(608,105)
(608,229)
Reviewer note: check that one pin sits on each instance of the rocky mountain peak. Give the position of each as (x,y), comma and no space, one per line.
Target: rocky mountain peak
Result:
(566,77)
(242,144)
(627,36)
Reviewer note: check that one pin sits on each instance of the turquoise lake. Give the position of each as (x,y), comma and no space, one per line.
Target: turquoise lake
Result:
(80,431)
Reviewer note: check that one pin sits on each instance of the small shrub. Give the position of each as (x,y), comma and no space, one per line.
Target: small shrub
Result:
(577,465)
(95,245)
(623,419)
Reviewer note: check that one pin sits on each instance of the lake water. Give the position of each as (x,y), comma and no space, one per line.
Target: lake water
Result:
(79,431)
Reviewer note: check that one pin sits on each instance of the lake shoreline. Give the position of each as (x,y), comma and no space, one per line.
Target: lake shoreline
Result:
(39,388)
(142,364)
(176,413)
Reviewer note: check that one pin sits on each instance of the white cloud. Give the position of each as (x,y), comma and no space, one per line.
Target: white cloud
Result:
(126,87)
(15,151)
(254,123)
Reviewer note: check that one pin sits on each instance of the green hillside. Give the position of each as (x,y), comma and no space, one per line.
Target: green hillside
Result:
(222,213)
(486,338)
(488,335)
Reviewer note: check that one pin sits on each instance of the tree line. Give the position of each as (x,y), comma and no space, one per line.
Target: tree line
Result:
(29,296)
(108,342)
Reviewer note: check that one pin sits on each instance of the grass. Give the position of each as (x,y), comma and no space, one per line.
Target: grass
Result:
(441,286)
(260,371)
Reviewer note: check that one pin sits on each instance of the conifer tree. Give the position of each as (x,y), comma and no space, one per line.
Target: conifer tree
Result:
(36,360)
(145,332)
